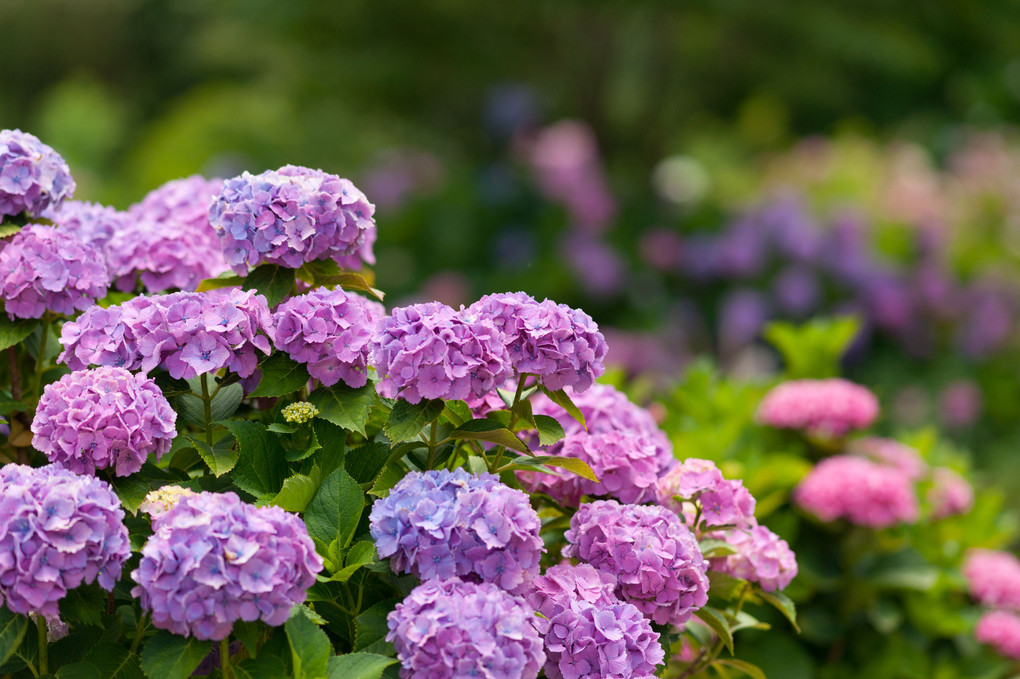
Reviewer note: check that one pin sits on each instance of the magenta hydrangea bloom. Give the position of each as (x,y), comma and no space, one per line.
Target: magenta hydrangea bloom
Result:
(699,483)
(329,331)
(653,555)
(561,346)
(761,556)
(290,216)
(107,417)
(92,223)
(993,578)
(33,177)
(564,584)
(58,529)
(1001,631)
(950,494)
(213,560)
(892,453)
(44,268)
(449,628)
(431,351)
(441,524)
(188,333)
(859,490)
(830,407)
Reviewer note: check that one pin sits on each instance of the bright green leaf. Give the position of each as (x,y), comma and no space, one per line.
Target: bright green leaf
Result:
(298,490)
(221,458)
(549,430)
(491,432)
(742,665)
(560,398)
(309,646)
(359,666)
(717,622)
(15,332)
(335,510)
(571,464)
(407,420)
(784,605)
(343,406)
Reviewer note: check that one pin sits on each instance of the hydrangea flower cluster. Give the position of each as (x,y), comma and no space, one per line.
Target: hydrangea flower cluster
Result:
(58,529)
(213,560)
(561,346)
(950,493)
(329,331)
(290,216)
(830,407)
(33,177)
(431,351)
(188,333)
(445,629)
(723,502)
(761,556)
(1000,630)
(44,268)
(993,578)
(653,555)
(441,524)
(892,453)
(163,499)
(864,492)
(92,223)
(103,418)
(299,413)
(588,632)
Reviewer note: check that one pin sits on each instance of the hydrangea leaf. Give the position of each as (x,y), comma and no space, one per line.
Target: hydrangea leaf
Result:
(716,621)
(784,605)
(266,666)
(298,490)
(79,670)
(309,646)
(281,375)
(365,462)
(15,332)
(168,656)
(560,398)
(549,430)
(370,629)
(260,465)
(359,666)
(407,420)
(491,432)
(343,406)
(747,668)
(12,631)
(571,464)
(334,512)
(114,661)
(272,281)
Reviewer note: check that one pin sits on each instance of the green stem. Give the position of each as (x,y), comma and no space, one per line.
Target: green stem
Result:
(40,360)
(225,669)
(143,624)
(432,444)
(207,402)
(44,645)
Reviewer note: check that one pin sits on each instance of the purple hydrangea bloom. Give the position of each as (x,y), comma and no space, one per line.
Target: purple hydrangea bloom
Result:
(329,331)
(562,346)
(761,556)
(699,483)
(188,333)
(555,590)
(92,223)
(449,628)
(431,351)
(58,529)
(290,216)
(441,524)
(33,177)
(213,560)
(654,556)
(107,417)
(44,268)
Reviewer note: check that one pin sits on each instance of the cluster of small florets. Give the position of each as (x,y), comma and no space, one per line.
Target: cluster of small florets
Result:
(163,499)
(761,556)
(1000,630)
(440,524)
(329,331)
(993,578)
(699,485)
(950,493)
(830,407)
(299,413)
(859,490)
(446,629)
(288,217)
(58,529)
(92,223)
(213,560)
(891,453)
(103,418)
(33,177)
(44,268)
(188,333)
(653,555)
(588,632)
(561,346)
(431,351)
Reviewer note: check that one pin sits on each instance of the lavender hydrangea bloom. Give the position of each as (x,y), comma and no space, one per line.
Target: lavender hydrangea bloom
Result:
(44,268)
(654,556)
(699,482)
(441,524)
(290,216)
(33,177)
(188,333)
(213,560)
(92,223)
(95,419)
(555,590)
(446,629)
(562,346)
(329,331)
(431,351)
(761,556)
(58,529)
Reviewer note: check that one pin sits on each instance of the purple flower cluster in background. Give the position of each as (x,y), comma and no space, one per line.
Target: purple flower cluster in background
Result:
(863,492)
(441,524)
(213,560)
(761,556)
(58,530)
(829,407)
(92,223)
(33,177)
(449,628)
(103,418)
(722,502)
(291,216)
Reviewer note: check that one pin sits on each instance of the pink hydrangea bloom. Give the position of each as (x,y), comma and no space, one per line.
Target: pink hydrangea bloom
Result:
(33,177)
(950,493)
(892,453)
(831,407)
(993,578)
(700,483)
(762,557)
(859,490)
(1000,630)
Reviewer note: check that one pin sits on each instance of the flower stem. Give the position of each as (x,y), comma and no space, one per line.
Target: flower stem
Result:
(43,664)
(207,402)
(143,624)
(432,443)
(40,359)
(225,669)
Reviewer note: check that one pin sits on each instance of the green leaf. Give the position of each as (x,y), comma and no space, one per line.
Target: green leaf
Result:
(132,491)
(560,398)
(249,634)
(784,605)
(813,349)
(168,656)
(407,420)
(334,512)
(492,432)
(549,430)
(83,606)
(457,412)
(272,281)
(348,280)
(224,280)
(370,629)
(221,458)
(359,666)
(261,466)
(281,375)
(192,409)
(280,428)
(12,631)
(114,661)
(332,445)
(15,332)
(388,477)
(365,462)
(309,646)
(343,406)
(715,547)
(297,492)
(724,586)
(11,229)
(717,622)
(571,464)
(267,666)
(743,666)
(79,670)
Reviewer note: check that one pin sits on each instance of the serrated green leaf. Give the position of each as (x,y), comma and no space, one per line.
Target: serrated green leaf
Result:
(407,420)
(388,477)
(549,430)
(249,634)
(571,464)
(266,666)
(334,512)
(348,280)
(12,631)
(365,462)
(261,466)
(114,661)
(359,666)
(743,666)
(783,604)
(343,406)
(560,398)
(168,656)
(8,229)
(724,586)
(717,622)
(15,332)
(361,554)
(191,408)
(491,432)
(370,629)
(225,280)
(457,412)
(332,445)
(131,490)
(298,490)
(281,375)
(711,547)
(83,605)
(309,646)
(279,428)
(79,670)
(272,281)
(221,458)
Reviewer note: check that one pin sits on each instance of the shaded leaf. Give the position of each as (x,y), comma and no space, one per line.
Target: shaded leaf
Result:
(267,666)
(343,406)
(12,631)
(407,420)
(79,670)
(370,629)
(15,332)
(784,605)
(717,622)
(281,375)
(359,666)
(272,281)
(743,666)
(261,466)
(490,431)
(365,462)
(168,656)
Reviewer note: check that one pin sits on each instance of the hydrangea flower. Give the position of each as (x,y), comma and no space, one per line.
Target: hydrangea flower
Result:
(830,407)
(92,223)
(58,529)
(449,628)
(44,268)
(564,584)
(213,560)
(441,524)
(761,556)
(299,413)
(993,578)
(33,177)
(892,453)
(290,216)
(329,331)
(188,333)
(431,351)
(163,499)
(1000,630)
(561,346)
(107,417)
(653,555)
(722,502)
(950,493)
(859,490)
